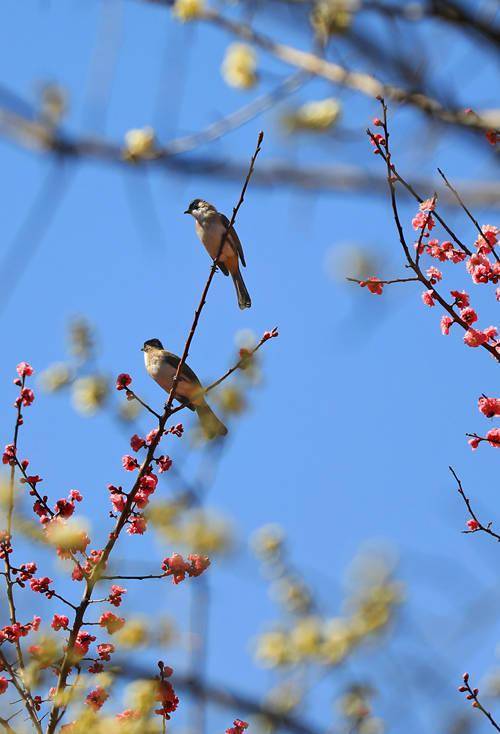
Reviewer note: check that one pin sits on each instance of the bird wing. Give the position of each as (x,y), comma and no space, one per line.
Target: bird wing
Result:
(234,240)
(186,371)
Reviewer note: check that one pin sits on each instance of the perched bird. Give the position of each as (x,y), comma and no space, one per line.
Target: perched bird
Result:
(162,366)
(210,226)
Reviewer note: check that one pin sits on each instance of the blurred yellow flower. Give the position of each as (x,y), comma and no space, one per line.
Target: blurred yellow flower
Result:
(267,542)
(239,66)
(89,394)
(273,649)
(80,339)
(55,377)
(337,641)
(305,638)
(332,16)
(293,595)
(133,634)
(231,400)
(139,143)
(185,10)
(315,116)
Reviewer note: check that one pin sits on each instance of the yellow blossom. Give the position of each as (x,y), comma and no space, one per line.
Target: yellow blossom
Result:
(239,66)
(314,116)
(55,377)
(133,634)
(305,637)
(337,641)
(267,542)
(231,400)
(89,394)
(185,10)
(332,16)
(139,143)
(273,649)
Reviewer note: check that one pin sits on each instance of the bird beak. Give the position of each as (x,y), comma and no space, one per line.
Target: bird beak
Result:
(142,349)
(187,211)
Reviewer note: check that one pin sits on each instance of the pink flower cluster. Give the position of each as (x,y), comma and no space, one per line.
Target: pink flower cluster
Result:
(178,568)
(238,727)
(115,596)
(374,285)
(111,622)
(12,632)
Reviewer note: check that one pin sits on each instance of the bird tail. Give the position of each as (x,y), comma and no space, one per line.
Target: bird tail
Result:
(244,300)
(211,425)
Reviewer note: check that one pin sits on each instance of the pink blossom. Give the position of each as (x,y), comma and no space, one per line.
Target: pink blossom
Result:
(59,621)
(115,596)
(41,585)
(75,495)
(468,315)
(151,436)
(462,299)
(82,642)
(474,338)
(238,727)
(138,526)
(111,622)
(474,442)
(123,381)
(24,369)
(422,220)
(136,442)
(96,698)
(434,274)
(493,437)
(4,684)
(473,525)
(374,285)
(105,651)
(198,564)
(64,508)
(497,294)
(148,483)
(446,322)
(129,462)
(490,407)
(427,298)
(491,333)
(164,463)
(9,454)
(428,205)
(27,396)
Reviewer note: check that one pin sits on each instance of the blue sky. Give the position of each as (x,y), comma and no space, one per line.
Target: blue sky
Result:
(363,403)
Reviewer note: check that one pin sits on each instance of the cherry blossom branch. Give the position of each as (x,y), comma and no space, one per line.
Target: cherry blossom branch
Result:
(469,214)
(411,190)
(9,582)
(94,576)
(381,144)
(144,405)
(136,578)
(474,525)
(472,695)
(385,282)
(247,355)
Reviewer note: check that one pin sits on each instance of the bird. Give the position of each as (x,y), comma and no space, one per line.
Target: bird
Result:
(210,227)
(162,367)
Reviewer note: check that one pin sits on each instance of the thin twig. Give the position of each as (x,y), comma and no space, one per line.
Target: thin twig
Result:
(92,579)
(480,527)
(469,214)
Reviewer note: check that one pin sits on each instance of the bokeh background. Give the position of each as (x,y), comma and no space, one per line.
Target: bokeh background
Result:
(352,416)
